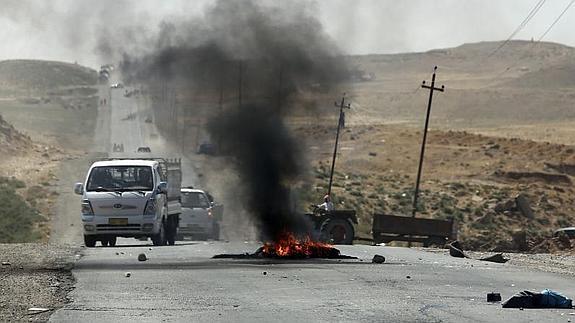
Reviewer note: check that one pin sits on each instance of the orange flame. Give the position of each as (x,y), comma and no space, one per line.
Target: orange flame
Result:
(289,246)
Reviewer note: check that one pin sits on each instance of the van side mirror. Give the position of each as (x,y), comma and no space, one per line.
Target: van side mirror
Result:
(163,188)
(79,188)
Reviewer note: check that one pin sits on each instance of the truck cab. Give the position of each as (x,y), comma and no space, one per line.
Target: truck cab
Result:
(200,217)
(130,198)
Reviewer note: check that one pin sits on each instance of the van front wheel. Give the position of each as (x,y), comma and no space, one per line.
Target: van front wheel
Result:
(159,239)
(90,241)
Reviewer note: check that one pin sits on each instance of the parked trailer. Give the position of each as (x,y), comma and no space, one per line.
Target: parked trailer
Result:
(387,228)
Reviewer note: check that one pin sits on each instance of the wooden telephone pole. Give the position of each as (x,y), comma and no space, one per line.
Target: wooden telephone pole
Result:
(341,106)
(431,89)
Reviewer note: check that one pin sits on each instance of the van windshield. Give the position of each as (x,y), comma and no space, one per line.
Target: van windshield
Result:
(195,199)
(120,178)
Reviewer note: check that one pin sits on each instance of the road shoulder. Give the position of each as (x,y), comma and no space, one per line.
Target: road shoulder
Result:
(34,275)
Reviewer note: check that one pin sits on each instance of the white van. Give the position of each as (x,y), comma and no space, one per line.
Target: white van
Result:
(131,198)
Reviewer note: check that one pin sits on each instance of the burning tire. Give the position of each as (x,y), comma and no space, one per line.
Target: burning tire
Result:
(337,231)
(89,241)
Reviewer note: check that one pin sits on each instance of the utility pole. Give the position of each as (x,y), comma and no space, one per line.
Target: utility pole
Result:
(431,89)
(341,106)
(280,85)
(240,83)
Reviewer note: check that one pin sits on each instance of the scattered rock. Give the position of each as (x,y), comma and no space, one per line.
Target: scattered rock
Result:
(128,274)
(455,250)
(265,273)
(142,257)
(6,263)
(378,259)
(508,205)
(498,258)
(373,154)
(494,297)
(519,238)
(523,206)
(408,277)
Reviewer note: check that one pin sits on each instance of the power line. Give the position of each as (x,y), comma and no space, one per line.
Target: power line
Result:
(556,20)
(540,38)
(522,25)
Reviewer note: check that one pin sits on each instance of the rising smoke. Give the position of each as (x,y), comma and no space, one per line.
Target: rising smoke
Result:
(269,55)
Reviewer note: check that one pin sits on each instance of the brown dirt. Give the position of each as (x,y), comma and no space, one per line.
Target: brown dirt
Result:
(34,164)
(470,177)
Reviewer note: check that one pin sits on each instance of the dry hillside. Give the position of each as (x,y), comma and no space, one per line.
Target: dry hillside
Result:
(525,82)
(471,178)
(25,76)
(46,112)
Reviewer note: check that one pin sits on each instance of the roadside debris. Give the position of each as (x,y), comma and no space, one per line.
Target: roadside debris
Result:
(455,250)
(128,274)
(142,257)
(378,259)
(37,310)
(545,299)
(498,258)
(494,297)
(291,247)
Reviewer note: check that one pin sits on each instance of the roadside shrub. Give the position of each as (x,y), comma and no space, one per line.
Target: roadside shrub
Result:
(12,182)
(17,218)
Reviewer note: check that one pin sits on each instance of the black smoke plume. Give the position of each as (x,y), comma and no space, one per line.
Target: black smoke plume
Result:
(267,55)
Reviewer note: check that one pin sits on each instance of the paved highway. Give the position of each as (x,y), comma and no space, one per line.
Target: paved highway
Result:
(183,283)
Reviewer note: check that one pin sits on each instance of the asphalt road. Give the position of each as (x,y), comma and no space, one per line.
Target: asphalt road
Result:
(183,282)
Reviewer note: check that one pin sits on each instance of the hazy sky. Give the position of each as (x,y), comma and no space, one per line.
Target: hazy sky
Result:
(67,29)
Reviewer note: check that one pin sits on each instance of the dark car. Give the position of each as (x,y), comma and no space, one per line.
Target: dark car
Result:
(570,232)
(207,149)
(144,150)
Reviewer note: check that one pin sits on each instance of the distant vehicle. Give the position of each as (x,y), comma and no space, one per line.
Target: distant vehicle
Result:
(207,148)
(148,119)
(201,216)
(131,198)
(117,86)
(144,150)
(107,67)
(118,148)
(570,232)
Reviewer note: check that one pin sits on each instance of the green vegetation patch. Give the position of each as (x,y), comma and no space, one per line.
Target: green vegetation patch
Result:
(17,218)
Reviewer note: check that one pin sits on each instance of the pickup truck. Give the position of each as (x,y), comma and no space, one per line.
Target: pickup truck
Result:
(201,216)
(137,198)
